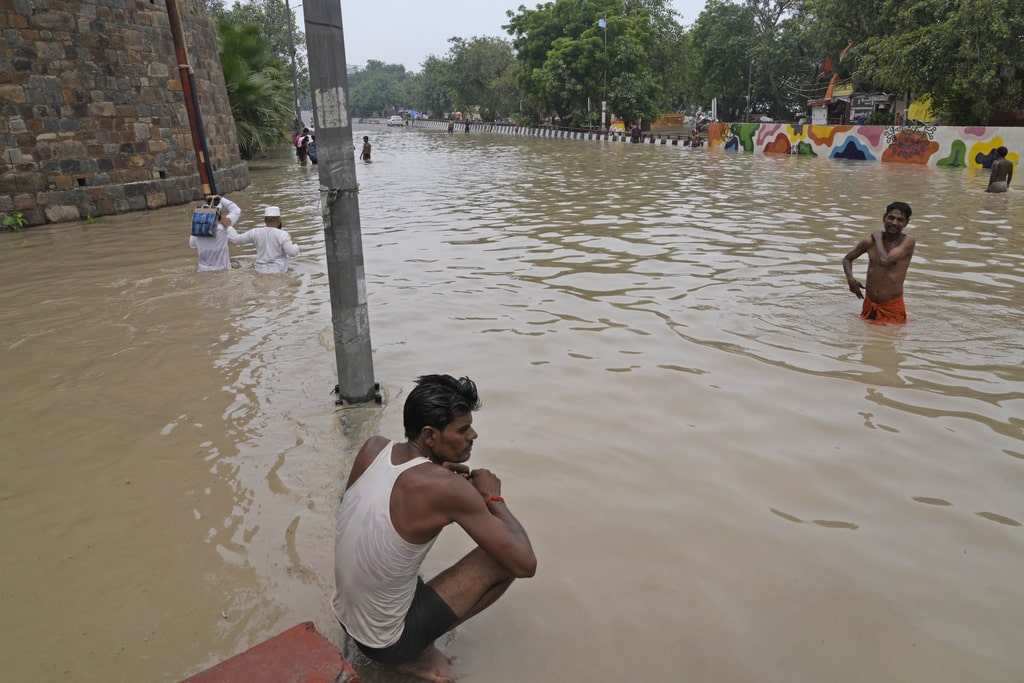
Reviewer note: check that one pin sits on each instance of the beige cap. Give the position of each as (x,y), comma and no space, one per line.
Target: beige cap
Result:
(272,212)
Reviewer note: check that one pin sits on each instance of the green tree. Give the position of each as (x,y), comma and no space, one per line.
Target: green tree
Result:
(214,8)
(430,89)
(670,56)
(569,61)
(258,89)
(379,89)
(278,25)
(724,38)
(786,58)
(968,56)
(479,76)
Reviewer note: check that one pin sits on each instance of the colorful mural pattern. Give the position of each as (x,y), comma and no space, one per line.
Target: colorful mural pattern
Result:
(949,146)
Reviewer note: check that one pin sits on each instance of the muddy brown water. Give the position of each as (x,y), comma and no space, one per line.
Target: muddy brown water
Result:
(726,475)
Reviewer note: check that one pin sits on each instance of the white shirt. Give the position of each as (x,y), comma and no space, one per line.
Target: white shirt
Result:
(213,250)
(375,569)
(273,247)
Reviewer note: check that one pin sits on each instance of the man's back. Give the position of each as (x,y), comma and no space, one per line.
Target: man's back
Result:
(375,568)
(213,250)
(273,247)
(1001,168)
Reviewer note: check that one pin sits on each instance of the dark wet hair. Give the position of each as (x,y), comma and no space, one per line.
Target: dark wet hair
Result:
(902,206)
(436,401)
(1002,151)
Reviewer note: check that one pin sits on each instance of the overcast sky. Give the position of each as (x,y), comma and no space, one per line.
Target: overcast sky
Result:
(406,32)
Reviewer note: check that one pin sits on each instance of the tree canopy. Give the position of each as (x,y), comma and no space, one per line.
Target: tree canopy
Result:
(259,93)
(968,55)
(563,57)
(573,55)
(378,89)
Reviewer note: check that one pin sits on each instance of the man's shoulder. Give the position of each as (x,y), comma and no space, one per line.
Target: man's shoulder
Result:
(437,484)
(372,447)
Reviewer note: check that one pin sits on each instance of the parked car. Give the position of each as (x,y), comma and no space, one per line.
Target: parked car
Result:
(396,121)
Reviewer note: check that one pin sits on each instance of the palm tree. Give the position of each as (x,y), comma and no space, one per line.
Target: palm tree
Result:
(258,87)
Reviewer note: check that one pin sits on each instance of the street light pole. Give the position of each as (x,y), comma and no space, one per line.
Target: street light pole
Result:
(295,81)
(603,23)
(750,73)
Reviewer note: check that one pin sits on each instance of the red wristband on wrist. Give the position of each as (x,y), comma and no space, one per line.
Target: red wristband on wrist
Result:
(491,499)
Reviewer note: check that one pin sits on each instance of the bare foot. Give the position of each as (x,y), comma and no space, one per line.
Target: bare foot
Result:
(430,665)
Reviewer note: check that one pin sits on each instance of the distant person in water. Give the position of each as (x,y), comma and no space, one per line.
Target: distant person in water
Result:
(312,148)
(302,146)
(365,154)
(889,252)
(1002,172)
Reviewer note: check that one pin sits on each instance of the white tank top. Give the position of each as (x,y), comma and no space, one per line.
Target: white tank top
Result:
(375,569)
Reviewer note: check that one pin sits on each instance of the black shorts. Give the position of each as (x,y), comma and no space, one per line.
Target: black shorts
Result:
(428,619)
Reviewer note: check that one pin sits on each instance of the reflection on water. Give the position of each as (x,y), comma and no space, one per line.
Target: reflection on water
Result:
(726,474)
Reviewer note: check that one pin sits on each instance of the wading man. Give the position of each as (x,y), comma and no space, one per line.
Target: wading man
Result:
(1002,172)
(398,499)
(213,250)
(889,252)
(273,244)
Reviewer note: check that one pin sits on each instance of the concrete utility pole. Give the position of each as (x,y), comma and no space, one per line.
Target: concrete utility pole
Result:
(339,200)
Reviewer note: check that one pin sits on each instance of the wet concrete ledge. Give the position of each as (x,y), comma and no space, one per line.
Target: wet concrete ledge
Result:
(299,655)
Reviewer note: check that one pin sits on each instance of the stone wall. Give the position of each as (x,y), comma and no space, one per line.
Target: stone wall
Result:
(92,112)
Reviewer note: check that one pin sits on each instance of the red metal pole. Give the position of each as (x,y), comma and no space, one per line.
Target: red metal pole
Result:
(191,100)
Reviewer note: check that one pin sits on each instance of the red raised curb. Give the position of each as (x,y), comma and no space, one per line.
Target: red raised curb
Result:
(299,655)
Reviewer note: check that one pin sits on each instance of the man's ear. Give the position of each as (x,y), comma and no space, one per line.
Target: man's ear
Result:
(428,435)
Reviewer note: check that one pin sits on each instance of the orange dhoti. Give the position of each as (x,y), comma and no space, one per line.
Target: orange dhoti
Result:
(891,311)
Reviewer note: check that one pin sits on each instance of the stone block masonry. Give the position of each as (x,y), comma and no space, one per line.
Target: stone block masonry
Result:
(92,114)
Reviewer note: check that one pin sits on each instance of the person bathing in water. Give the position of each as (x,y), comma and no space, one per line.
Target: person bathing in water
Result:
(889,252)
(398,499)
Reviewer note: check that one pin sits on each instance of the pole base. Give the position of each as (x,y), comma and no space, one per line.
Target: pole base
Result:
(377,398)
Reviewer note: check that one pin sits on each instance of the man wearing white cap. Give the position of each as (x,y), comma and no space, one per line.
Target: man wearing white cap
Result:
(273,244)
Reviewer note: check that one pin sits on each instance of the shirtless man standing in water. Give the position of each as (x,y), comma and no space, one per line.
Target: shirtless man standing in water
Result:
(889,252)
(1002,172)
(399,498)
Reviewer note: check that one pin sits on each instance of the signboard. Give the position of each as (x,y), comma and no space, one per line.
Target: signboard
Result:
(844,89)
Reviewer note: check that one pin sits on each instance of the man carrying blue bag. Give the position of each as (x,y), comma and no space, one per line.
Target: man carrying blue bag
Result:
(211,240)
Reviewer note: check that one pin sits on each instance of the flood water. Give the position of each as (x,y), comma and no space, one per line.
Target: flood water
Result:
(726,475)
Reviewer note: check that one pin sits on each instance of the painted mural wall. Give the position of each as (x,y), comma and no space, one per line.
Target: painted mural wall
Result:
(968,147)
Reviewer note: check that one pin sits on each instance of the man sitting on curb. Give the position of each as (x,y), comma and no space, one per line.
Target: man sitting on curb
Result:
(398,499)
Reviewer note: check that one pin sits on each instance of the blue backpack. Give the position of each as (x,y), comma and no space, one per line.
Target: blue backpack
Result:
(204,221)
